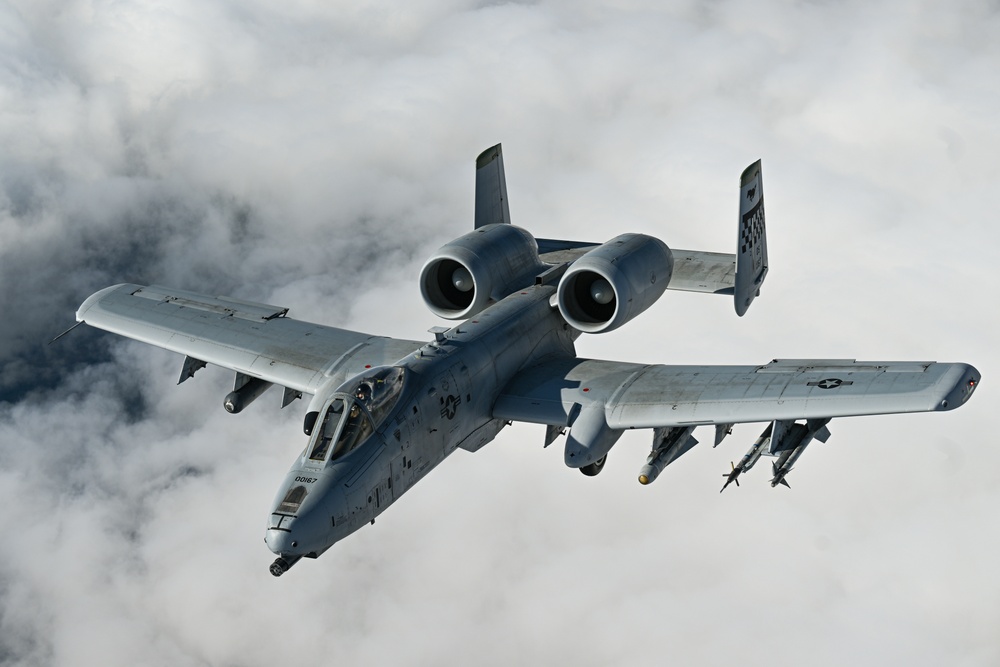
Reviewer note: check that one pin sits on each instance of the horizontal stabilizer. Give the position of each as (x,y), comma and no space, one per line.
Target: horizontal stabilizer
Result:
(556,251)
(708,272)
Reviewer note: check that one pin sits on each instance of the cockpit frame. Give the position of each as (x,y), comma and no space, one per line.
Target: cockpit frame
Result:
(353,413)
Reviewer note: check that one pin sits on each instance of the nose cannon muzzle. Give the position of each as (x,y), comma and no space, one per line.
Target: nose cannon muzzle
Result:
(283,563)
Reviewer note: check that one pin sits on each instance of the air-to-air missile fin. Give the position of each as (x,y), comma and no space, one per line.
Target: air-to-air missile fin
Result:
(779,473)
(732,476)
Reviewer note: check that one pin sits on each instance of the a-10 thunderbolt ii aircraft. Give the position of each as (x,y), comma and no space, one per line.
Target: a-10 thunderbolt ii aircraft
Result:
(384,412)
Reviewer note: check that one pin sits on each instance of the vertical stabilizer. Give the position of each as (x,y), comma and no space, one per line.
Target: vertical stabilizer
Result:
(751,251)
(491,189)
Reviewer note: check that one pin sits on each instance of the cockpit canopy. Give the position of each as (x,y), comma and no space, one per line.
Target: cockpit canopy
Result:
(356,410)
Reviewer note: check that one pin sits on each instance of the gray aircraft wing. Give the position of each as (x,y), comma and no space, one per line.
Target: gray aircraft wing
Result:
(253,339)
(654,396)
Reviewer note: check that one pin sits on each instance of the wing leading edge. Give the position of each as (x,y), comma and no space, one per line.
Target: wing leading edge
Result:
(254,339)
(655,396)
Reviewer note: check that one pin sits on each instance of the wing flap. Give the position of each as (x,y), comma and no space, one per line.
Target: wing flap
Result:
(637,396)
(254,339)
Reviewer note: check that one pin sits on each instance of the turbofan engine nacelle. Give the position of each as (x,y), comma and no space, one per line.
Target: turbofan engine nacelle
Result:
(613,283)
(463,276)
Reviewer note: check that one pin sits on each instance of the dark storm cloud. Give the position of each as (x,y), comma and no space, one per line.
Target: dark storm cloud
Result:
(69,233)
(48,275)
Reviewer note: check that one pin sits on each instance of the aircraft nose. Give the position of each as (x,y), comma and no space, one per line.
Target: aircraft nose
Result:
(280,541)
(303,521)
(295,536)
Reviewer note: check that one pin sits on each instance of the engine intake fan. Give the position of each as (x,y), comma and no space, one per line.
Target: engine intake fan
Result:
(614,282)
(465,275)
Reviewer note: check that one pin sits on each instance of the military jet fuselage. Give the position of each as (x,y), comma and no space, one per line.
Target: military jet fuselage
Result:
(412,415)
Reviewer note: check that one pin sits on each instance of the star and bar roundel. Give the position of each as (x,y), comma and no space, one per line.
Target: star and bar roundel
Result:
(829,383)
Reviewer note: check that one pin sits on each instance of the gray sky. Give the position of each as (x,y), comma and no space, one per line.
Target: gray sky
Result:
(314,154)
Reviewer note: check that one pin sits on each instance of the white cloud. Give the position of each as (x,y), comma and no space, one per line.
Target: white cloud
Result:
(315,155)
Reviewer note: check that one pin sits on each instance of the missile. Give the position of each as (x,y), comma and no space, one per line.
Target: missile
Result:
(756,449)
(669,443)
(244,394)
(779,475)
(749,459)
(784,464)
(798,436)
(731,476)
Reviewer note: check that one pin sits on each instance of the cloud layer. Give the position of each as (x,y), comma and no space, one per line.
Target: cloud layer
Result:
(313,155)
